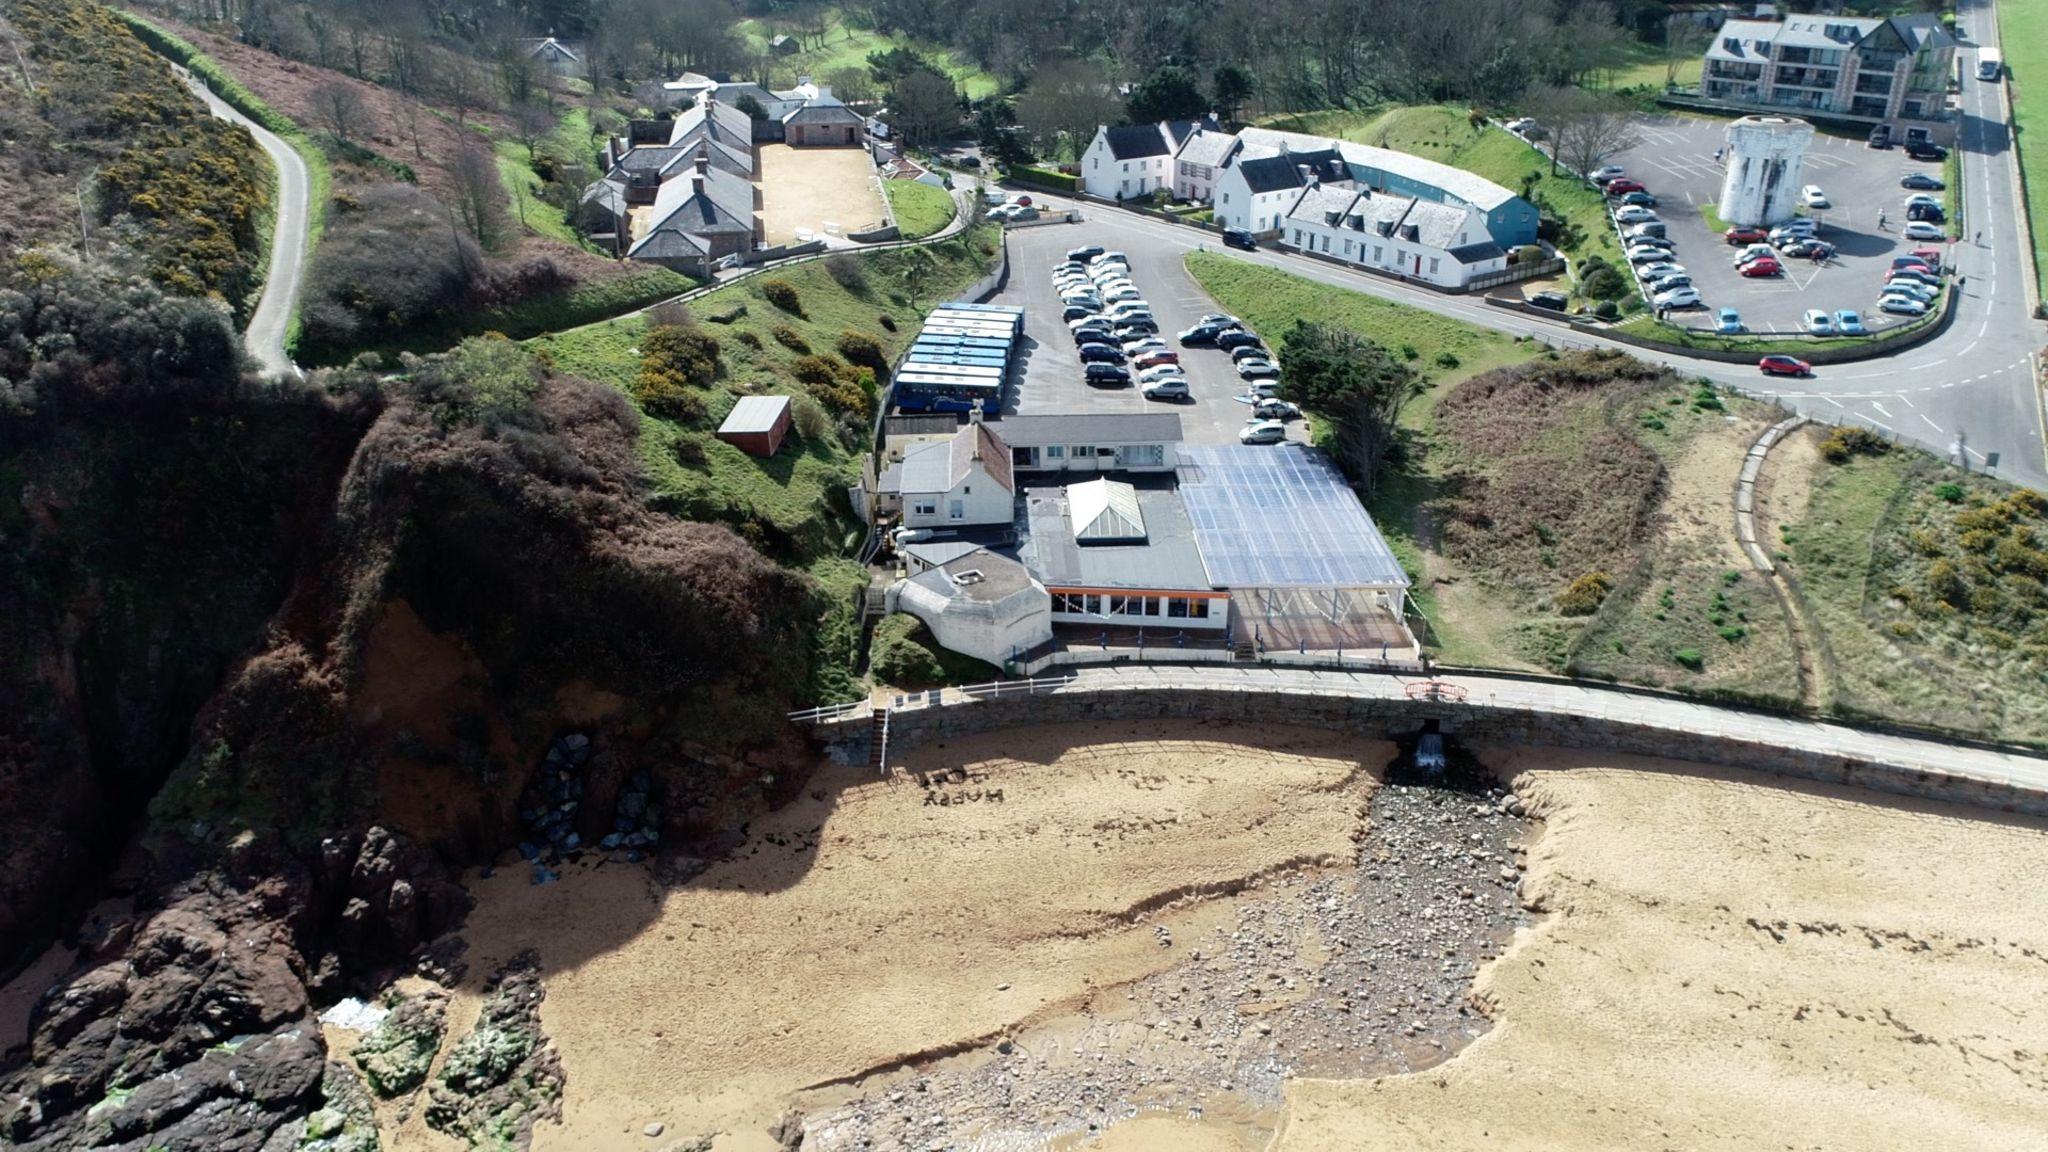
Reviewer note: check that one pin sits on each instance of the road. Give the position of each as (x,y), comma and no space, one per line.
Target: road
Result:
(1967,394)
(281,285)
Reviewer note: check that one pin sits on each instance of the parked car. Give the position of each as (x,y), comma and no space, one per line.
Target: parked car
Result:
(1931,255)
(1110,257)
(1923,181)
(1155,358)
(1645,255)
(1678,298)
(1667,283)
(1926,150)
(1922,198)
(1813,197)
(1519,125)
(1622,186)
(1755,252)
(1924,293)
(1221,320)
(1639,199)
(1927,214)
(1105,375)
(1132,329)
(1172,388)
(1908,276)
(1084,254)
(1746,235)
(1810,249)
(1257,369)
(1252,351)
(1550,301)
(1103,353)
(1092,318)
(1881,136)
(1922,230)
(1630,214)
(1919,263)
(1849,323)
(1817,322)
(1660,268)
(1801,229)
(1098,335)
(1604,175)
(1901,305)
(1148,343)
(1780,365)
(1727,321)
(1123,294)
(1236,338)
(1653,230)
(1262,432)
(1075,312)
(1239,238)
(1274,408)
(1159,372)
(1759,269)
(1200,334)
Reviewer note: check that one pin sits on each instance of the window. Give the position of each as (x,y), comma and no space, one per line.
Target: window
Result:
(1095,164)
(1154,605)
(1326,243)
(1347,247)
(1297,237)
(1198,609)
(1056,452)
(1141,455)
(1119,605)
(1226,197)
(925,508)
(1081,452)
(956,510)
(1432,265)
(1094,604)
(1379,254)
(1177,607)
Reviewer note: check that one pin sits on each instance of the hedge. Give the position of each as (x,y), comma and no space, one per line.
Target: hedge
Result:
(1045,178)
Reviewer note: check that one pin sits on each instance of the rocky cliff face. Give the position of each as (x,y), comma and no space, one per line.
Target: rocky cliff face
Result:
(467,581)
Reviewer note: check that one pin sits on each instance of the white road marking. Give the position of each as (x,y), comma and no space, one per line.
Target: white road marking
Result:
(1882,410)
(1930,423)
(1908,403)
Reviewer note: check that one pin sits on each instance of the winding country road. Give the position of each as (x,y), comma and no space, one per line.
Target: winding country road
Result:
(274,309)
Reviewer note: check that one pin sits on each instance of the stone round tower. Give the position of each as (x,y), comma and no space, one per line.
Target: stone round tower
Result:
(1764,157)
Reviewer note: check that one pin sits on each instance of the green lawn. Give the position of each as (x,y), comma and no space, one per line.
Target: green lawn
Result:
(920,208)
(1639,65)
(1445,134)
(2023,32)
(848,46)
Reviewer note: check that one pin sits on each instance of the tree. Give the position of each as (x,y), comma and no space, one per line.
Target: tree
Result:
(1589,129)
(1354,384)
(1066,102)
(479,196)
(893,65)
(1233,86)
(918,267)
(995,128)
(924,105)
(751,107)
(341,109)
(1683,42)
(851,84)
(530,124)
(464,90)
(1169,93)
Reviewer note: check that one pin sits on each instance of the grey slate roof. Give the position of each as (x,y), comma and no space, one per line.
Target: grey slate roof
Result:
(1137,141)
(608,195)
(1205,146)
(1470,187)
(1433,225)
(1294,170)
(823,110)
(1167,559)
(926,468)
(1478,253)
(1103,428)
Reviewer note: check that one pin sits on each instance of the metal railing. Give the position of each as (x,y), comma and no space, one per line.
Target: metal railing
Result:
(829,713)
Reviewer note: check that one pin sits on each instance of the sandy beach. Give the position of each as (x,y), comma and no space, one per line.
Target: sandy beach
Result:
(873,921)
(1730,962)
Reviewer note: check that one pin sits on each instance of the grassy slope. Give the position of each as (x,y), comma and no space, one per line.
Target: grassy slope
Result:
(800,492)
(920,208)
(847,46)
(570,138)
(1860,556)
(1444,134)
(2023,32)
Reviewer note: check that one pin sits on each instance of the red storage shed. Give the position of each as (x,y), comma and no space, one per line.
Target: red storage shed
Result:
(757,424)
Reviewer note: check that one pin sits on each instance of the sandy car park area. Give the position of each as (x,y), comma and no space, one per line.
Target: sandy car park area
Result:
(807,192)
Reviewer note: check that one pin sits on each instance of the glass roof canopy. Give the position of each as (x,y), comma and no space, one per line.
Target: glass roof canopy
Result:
(1281,516)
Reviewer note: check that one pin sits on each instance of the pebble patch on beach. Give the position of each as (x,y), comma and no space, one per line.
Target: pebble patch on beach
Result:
(1352,974)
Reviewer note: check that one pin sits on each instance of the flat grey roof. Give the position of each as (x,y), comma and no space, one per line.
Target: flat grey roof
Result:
(1166,559)
(977,575)
(939,553)
(1281,516)
(754,414)
(1089,428)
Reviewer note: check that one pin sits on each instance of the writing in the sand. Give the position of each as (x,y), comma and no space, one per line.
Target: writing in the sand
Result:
(943,789)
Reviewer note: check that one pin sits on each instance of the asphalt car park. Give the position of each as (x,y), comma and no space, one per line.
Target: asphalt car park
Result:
(1675,159)
(1047,378)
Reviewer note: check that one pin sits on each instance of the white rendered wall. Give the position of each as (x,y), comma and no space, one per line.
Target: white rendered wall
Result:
(1764,157)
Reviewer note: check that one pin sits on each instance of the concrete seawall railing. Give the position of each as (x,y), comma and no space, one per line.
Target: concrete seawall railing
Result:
(1482,710)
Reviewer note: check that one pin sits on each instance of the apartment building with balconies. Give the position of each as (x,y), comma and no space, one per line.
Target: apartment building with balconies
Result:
(1894,71)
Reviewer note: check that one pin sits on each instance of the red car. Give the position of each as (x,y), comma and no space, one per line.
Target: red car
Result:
(1763,267)
(1155,359)
(1931,255)
(1784,366)
(1739,236)
(1622,186)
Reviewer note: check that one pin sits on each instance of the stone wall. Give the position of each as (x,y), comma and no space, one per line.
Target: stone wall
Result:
(1471,723)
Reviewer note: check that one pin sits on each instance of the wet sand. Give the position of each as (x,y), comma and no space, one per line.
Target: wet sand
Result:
(874,922)
(1731,962)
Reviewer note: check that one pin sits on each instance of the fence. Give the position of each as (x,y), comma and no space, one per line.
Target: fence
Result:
(1884,344)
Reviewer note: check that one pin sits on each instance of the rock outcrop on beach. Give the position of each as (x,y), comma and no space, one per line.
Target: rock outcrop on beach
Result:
(327,688)
(503,1075)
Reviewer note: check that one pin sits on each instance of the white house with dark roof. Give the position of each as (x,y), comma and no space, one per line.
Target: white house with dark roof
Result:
(1200,161)
(1254,193)
(1417,239)
(963,481)
(1132,160)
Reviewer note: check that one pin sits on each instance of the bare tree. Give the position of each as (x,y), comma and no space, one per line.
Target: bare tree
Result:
(1684,40)
(341,109)
(1591,130)
(1066,101)
(479,196)
(530,124)
(410,114)
(464,89)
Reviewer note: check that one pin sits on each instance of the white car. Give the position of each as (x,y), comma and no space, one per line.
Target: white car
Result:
(1274,408)
(1262,432)
(1121,295)
(1176,389)
(1108,258)
(1794,230)
(1677,298)
(1912,288)
(1755,252)
(1159,372)
(1257,369)
(1648,255)
(1922,230)
(1143,344)
(1636,214)
(1817,322)
(1604,174)
(1922,198)
(1813,197)
(1096,320)
(1901,305)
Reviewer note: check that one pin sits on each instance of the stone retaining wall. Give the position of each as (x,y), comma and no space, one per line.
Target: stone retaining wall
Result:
(1471,723)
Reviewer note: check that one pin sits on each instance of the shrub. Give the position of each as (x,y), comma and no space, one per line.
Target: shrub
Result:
(791,339)
(1846,442)
(905,655)
(864,350)
(1946,584)
(1585,595)
(809,418)
(1601,280)
(1949,493)
(847,271)
(750,339)
(386,265)
(783,295)
(1447,359)
(730,314)
(815,369)
(1690,658)
(1733,633)
(1607,310)
(887,322)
